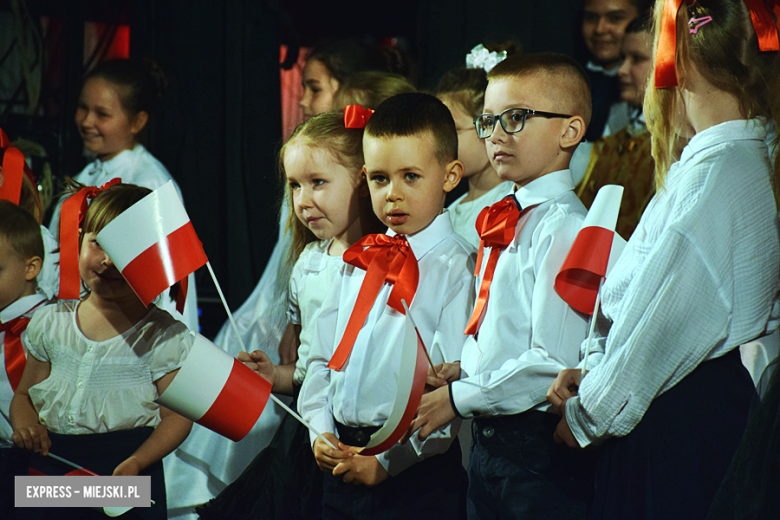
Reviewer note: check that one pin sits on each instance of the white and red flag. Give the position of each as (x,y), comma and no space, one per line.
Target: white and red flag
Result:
(594,252)
(154,245)
(217,391)
(409,389)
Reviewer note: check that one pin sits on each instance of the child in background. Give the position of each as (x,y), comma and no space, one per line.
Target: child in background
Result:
(666,393)
(124,355)
(463,91)
(537,109)
(117,100)
(410,149)
(323,165)
(368,89)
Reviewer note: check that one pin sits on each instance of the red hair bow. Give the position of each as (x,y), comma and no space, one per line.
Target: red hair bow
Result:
(760,15)
(356,116)
(73,212)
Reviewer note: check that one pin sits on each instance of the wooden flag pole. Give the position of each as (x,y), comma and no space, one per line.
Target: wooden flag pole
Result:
(243,347)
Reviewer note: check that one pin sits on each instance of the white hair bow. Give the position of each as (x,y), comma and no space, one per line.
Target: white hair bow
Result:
(481,58)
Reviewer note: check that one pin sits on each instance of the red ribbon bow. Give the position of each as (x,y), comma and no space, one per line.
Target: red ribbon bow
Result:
(385,259)
(14,351)
(496,226)
(760,15)
(73,211)
(356,116)
(13,170)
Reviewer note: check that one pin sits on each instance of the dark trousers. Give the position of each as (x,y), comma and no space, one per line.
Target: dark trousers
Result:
(516,471)
(431,489)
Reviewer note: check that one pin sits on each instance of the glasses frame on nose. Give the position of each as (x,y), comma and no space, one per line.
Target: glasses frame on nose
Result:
(525,112)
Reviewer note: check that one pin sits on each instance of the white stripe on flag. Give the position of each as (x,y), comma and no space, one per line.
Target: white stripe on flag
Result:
(199,381)
(605,208)
(143,224)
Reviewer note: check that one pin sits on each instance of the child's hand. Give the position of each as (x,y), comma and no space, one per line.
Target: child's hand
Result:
(259,362)
(563,434)
(33,437)
(563,388)
(434,411)
(447,372)
(361,471)
(128,468)
(327,458)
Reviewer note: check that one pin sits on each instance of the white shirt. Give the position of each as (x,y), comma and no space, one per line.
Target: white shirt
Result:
(102,386)
(362,393)
(139,167)
(48,280)
(528,333)
(463,215)
(312,277)
(698,278)
(22,307)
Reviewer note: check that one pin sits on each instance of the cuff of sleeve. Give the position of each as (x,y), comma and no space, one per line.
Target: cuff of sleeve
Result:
(579,423)
(593,360)
(467,399)
(398,458)
(323,423)
(452,401)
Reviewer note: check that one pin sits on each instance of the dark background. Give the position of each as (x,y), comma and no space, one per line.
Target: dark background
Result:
(220,124)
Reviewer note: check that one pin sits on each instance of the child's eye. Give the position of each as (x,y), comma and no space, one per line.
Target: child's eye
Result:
(378,178)
(294,185)
(318,182)
(411,176)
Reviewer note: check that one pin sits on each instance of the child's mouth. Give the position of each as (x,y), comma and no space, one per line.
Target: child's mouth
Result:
(397,218)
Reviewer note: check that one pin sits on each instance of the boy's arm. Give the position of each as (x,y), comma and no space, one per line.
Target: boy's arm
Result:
(28,432)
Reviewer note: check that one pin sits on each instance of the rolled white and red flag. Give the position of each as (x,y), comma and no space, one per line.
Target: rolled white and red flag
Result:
(217,391)
(409,390)
(594,252)
(154,245)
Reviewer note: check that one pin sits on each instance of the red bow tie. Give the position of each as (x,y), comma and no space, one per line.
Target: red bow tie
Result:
(385,259)
(496,226)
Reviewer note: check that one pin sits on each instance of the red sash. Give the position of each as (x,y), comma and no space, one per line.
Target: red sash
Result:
(13,349)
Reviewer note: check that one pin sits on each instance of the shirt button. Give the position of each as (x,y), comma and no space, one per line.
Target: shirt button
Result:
(488,431)
(81,384)
(89,348)
(70,418)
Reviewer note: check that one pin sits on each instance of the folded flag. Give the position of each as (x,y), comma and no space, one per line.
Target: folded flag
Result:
(154,245)
(410,385)
(594,252)
(217,391)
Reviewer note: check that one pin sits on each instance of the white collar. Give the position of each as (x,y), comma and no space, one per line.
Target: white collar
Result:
(20,307)
(123,160)
(737,130)
(427,238)
(545,188)
(595,67)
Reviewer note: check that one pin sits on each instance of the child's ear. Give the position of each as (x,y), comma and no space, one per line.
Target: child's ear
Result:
(33,268)
(453,174)
(139,122)
(363,186)
(573,132)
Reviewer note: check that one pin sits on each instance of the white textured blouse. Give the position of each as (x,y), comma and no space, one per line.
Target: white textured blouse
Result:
(312,276)
(463,215)
(698,278)
(102,386)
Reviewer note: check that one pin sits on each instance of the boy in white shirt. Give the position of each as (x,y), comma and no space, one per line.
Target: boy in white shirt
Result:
(410,148)
(521,332)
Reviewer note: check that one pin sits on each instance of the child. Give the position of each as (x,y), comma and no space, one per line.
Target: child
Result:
(118,99)
(410,149)
(698,277)
(368,89)
(97,365)
(527,333)
(463,91)
(323,165)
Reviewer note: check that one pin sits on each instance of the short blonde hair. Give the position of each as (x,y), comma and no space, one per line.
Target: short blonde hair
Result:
(369,89)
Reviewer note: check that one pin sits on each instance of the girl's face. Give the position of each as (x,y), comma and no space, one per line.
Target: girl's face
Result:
(105,127)
(319,88)
(471,149)
(99,272)
(638,50)
(325,194)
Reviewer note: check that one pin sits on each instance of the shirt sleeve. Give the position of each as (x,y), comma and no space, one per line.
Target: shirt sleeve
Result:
(172,345)
(33,336)
(673,316)
(556,335)
(293,308)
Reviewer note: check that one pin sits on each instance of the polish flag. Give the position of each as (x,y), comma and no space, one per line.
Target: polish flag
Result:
(217,391)
(409,390)
(594,252)
(153,243)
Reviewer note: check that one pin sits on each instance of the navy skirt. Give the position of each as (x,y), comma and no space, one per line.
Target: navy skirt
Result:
(671,465)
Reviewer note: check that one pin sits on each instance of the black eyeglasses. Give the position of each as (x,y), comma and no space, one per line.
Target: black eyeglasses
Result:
(512,120)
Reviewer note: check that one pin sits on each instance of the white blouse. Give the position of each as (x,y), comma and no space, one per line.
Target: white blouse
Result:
(698,278)
(312,277)
(102,386)
(463,215)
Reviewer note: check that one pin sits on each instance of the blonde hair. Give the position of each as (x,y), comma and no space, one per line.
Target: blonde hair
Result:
(369,89)
(725,52)
(324,131)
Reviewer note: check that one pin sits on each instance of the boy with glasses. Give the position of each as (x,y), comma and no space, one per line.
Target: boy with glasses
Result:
(521,332)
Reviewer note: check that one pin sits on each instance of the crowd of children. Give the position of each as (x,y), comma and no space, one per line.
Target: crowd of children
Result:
(649,430)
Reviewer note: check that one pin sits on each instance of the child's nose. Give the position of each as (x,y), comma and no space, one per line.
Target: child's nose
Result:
(107,261)
(305,197)
(394,193)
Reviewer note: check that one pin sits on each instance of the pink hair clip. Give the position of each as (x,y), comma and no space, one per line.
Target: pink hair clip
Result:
(695,23)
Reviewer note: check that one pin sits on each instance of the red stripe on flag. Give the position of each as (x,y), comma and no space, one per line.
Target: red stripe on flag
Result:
(165,263)
(578,281)
(418,385)
(239,403)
